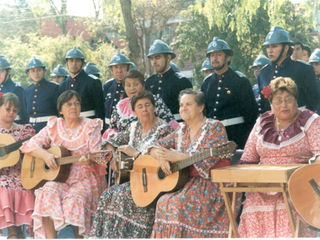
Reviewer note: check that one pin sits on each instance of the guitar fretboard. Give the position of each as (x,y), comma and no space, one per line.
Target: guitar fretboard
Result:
(14,146)
(70,159)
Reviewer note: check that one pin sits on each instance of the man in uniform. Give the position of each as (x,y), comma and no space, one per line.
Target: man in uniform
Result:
(88,87)
(306,52)
(7,85)
(206,69)
(112,89)
(92,69)
(315,62)
(59,74)
(279,51)
(166,83)
(229,97)
(297,53)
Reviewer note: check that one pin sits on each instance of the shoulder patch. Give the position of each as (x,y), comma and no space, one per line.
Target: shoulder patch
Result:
(93,76)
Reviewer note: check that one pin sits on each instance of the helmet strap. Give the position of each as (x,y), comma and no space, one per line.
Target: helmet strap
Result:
(281,53)
(7,76)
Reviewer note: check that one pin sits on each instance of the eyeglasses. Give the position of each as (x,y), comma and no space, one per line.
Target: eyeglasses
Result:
(278,101)
(76,104)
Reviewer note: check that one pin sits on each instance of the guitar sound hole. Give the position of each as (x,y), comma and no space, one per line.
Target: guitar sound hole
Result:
(46,168)
(161,174)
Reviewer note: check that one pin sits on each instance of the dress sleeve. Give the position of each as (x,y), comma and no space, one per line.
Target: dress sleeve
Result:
(122,138)
(42,139)
(167,142)
(115,117)
(164,113)
(250,154)
(313,134)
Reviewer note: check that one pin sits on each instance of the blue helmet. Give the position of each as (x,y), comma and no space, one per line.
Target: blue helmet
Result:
(59,71)
(174,66)
(133,66)
(218,45)
(119,59)
(4,63)
(315,56)
(277,35)
(34,62)
(206,65)
(261,60)
(91,68)
(159,46)
(74,53)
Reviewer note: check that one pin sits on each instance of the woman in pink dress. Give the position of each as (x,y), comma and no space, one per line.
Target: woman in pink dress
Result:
(75,201)
(16,203)
(284,135)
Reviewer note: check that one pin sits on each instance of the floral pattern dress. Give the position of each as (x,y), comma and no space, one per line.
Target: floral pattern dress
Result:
(75,201)
(265,214)
(16,203)
(117,215)
(122,116)
(198,209)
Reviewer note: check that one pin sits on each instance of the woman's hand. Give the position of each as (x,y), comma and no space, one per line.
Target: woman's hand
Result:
(50,161)
(163,161)
(114,164)
(129,150)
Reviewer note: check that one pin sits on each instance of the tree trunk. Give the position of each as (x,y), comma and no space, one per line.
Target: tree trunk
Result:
(132,37)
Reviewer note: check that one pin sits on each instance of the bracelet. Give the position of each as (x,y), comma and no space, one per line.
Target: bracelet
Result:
(138,155)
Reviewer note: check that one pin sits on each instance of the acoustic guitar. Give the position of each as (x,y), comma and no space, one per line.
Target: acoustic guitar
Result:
(125,165)
(304,192)
(148,181)
(35,173)
(9,150)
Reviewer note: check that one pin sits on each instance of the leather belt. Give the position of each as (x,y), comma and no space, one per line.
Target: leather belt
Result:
(90,113)
(107,121)
(232,121)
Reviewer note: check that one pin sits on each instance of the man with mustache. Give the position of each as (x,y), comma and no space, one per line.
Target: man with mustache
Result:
(166,83)
(229,97)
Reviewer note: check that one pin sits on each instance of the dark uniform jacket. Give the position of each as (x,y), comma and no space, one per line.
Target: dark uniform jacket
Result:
(230,96)
(90,91)
(301,73)
(40,100)
(113,93)
(10,86)
(168,87)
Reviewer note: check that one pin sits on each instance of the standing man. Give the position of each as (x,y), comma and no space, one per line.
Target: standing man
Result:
(166,83)
(112,89)
(229,97)
(7,85)
(297,53)
(89,87)
(315,62)
(59,74)
(306,52)
(279,51)
(206,69)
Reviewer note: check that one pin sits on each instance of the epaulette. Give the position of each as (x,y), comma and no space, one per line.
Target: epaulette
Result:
(265,66)
(93,76)
(179,75)
(17,84)
(207,77)
(55,82)
(301,61)
(240,74)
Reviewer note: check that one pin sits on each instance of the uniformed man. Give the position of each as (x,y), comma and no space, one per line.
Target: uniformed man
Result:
(112,89)
(297,53)
(40,98)
(206,69)
(229,97)
(279,50)
(166,83)
(89,87)
(174,66)
(314,60)
(306,52)
(7,85)
(92,69)
(59,74)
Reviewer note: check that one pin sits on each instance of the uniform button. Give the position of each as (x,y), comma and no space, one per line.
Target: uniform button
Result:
(113,107)
(35,96)
(159,88)
(160,81)
(36,90)
(217,102)
(259,109)
(34,113)
(276,71)
(158,95)
(258,103)
(106,98)
(218,95)
(214,117)
(214,109)
(34,101)
(220,81)
(71,85)
(219,88)
(33,108)
(33,124)
(118,85)
(274,76)
(115,99)
(117,91)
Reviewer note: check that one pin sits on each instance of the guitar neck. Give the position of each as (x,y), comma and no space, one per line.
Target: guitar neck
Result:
(14,146)
(70,159)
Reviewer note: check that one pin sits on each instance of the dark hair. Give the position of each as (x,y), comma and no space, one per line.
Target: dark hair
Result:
(281,84)
(132,73)
(307,48)
(141,95)
(65,97)
(290,49)
(299,43)
(10,98)
(199,97)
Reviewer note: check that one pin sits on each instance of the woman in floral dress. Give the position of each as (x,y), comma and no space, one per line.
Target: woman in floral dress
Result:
(122,116)
(117,215)
(16,203)
(198,209)
(75,201)
(284,135)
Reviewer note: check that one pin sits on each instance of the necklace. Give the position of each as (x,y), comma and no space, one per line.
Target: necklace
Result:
(279,134)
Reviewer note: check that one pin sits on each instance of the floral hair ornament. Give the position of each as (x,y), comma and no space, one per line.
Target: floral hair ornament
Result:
(266,91)
(1,95)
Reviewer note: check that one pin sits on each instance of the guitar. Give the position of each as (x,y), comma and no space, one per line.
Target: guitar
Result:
(9,150)
(304,192)
(148,181)
(35,173)
(125,165)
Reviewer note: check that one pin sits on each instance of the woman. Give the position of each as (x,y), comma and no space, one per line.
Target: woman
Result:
(284,135)
(16,203)
(197,210)
(117,215)
(123,115)
(40,98)
(73,202)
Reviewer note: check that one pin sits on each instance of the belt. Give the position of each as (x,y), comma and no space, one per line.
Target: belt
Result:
(90,113)
(40,119)
(107,121)
(177,116)
(17,118)
(302,108)
(232,121)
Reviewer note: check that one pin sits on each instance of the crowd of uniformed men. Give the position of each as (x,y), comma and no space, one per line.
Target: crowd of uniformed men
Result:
(229,95)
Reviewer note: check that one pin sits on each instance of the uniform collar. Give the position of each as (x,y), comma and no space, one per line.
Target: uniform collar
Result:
(41,82)
(167,73)
(79,75)
(7,83)
(284,63)
(223,74)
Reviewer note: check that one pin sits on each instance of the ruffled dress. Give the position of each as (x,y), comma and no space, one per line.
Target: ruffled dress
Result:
(198,209)
(16,203)
(117,215)
(122,116)
(265,214)
(75,201)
